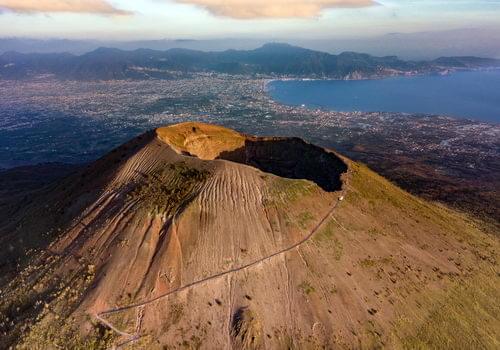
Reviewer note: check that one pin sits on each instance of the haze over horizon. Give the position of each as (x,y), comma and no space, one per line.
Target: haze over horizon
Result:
(409,46)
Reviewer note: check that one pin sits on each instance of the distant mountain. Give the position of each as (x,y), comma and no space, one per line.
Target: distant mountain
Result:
(79,47)
(427,45)
(466,62)
(270,60)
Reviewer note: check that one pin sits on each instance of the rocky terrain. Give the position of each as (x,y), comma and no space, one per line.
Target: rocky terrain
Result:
(197,236)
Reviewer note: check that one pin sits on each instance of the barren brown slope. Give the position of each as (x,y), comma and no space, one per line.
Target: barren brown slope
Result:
(156,248)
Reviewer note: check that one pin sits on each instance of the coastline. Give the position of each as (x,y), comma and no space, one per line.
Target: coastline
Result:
(444,72)
(459,104)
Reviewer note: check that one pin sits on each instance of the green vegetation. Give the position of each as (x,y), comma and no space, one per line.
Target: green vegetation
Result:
(326,233)
(464,317)
(326,237)
(166,189)
(246,330)
(369,262)
(306,287)
(176,312)
(58,333)
(367,188)
(463,311)
(283,190)
(124,320)
(39,313)
(304,219)
(376,232)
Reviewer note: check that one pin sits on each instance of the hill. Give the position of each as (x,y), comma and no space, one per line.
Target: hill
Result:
(197,236)
(270,60)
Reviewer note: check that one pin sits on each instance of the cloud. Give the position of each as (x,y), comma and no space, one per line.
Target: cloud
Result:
(247,9)
(77,6)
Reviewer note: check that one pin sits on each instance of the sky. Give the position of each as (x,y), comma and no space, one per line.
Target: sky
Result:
(205,19)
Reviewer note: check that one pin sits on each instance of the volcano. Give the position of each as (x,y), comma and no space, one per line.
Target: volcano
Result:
(198,236)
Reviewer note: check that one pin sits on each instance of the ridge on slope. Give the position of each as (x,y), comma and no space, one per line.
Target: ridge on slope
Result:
(266,260)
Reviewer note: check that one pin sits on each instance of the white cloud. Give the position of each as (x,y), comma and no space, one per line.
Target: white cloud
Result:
(78,6)
(247,9)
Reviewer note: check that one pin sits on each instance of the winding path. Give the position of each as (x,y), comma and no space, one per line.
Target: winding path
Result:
(133,337)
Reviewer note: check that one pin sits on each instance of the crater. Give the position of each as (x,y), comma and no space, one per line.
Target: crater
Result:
(291,158)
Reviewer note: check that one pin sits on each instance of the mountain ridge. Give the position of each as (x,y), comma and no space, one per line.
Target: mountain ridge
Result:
(272,59)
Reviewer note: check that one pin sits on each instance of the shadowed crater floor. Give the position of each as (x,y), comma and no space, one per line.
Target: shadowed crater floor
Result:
(291,158)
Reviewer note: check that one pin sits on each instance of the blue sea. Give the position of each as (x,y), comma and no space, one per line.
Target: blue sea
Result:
(472,95)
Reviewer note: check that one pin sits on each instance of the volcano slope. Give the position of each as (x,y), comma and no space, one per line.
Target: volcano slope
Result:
(196,236)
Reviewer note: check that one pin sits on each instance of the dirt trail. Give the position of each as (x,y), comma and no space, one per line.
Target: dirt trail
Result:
(134,337)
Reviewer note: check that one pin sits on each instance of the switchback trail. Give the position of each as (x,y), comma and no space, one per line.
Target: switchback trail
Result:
(133,337)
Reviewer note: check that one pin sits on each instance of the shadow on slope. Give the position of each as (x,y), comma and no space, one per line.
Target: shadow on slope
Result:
(291,158)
